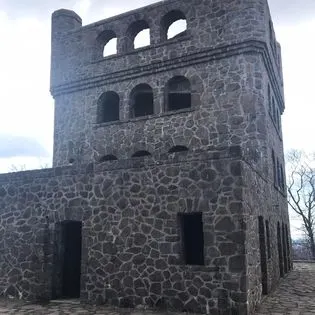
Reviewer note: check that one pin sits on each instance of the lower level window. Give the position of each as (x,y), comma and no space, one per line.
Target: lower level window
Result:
(192,238)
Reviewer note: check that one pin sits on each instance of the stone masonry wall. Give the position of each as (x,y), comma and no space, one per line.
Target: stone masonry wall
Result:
(220,54)
(224,112)
(131,250)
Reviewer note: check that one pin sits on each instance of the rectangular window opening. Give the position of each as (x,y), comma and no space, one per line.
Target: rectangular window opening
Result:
(192,238)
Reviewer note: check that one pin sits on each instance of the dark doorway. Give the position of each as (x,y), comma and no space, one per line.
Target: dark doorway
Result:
(67,260)
(280,252)
(268,239)
(284,246)
(288,247)
(263,258)
(72,238)
(192,238)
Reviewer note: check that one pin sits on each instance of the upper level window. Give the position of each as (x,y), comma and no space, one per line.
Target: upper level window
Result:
(174,24)
(178,148)
(110,48)
(107,41)
(108,107)
(138,35)
(109,157)
(141,154)
(142,101)
(178,92)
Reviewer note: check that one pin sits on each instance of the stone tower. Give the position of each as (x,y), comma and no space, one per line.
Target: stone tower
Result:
(168,186)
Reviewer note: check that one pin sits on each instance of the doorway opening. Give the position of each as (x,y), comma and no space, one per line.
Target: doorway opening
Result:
(280,251)
(67,260)
(263,258)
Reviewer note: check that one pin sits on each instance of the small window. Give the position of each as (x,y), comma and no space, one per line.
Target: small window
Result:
(174,25)
(107,158)
(108,107)
(141,154)
(107,43)
(192,238)
(142,101)
(110,48)
(279,174)
(178,148)
(178,93)
(268,239)
(142,39)
(138,35)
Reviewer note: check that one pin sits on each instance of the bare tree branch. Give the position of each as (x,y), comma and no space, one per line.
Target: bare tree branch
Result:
(301,191)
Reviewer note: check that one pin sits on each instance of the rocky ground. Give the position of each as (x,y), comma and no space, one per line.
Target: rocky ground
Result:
(294,296)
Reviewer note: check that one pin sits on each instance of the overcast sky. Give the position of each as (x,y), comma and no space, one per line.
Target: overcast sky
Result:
(26,107)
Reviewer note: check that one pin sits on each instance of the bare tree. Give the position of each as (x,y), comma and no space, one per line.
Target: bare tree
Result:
(301,192)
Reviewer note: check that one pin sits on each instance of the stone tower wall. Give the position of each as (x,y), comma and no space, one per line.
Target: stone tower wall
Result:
(212,55)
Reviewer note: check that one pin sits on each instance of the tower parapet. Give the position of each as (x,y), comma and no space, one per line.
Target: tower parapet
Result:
(65,20)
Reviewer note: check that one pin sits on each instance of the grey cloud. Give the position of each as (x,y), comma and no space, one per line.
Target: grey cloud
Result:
(11,146)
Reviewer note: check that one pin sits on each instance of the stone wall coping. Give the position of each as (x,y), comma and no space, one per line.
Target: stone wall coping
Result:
(233,152)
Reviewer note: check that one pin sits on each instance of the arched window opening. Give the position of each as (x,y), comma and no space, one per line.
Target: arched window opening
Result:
(178,93)
(174,25)
(138,35)
(107,42)
(108,107)
(178,148)
(110,48)
(142,39)
(141,154)
(142,101)
(177,29)
(109,157)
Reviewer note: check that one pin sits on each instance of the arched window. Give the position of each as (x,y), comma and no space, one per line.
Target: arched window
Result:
(110,48)
(178,148)
(138,35)
(174,24)
(142,101)
(108,107)
(109,157)
(141,154)
(107,40)
(178,92)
